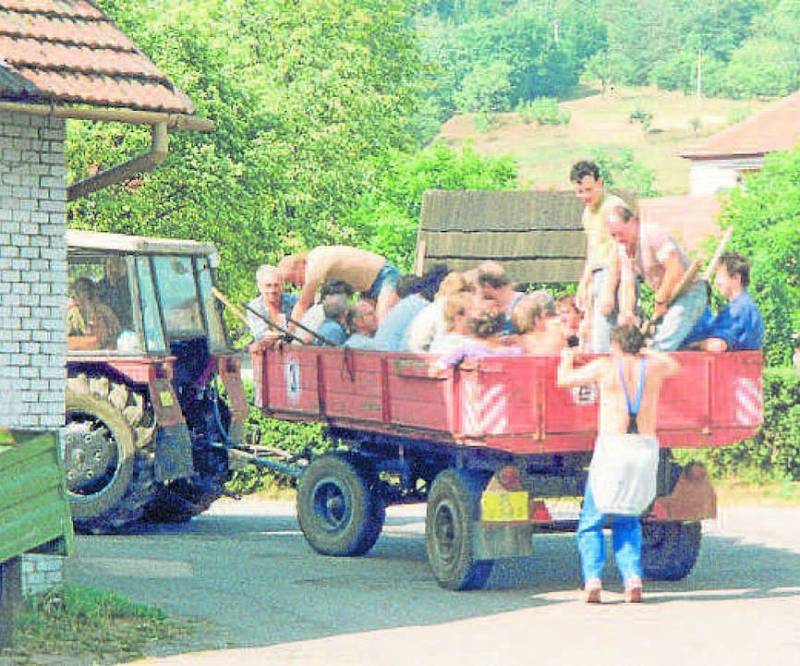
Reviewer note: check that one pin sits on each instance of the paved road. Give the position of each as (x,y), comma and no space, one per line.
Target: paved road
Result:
(244,572)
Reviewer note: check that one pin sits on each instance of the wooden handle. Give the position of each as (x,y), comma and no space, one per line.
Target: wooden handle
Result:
(216,293)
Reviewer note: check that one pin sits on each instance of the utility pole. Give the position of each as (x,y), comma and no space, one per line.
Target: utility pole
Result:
(699,86)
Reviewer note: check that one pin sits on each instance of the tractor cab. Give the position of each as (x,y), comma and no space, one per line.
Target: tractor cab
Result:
(147,432)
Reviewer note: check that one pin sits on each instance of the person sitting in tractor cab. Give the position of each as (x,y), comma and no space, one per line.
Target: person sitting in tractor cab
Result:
(90,323)
(113,290)
(738,325)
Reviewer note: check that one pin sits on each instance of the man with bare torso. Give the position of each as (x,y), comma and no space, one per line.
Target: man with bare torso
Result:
(365,271)
(625,461)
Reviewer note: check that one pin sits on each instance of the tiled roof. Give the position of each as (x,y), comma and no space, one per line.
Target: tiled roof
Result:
(689,219)
(776,127)
(68,51)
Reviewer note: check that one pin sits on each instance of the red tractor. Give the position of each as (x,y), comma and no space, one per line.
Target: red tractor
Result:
(148,434)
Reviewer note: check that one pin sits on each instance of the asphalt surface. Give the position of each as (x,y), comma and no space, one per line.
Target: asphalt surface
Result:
(258,594)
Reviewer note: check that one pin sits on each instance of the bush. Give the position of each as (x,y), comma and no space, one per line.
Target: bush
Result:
(543,111)
(623,172)
(764,215)
(774,453)
(644,118)
(277,434)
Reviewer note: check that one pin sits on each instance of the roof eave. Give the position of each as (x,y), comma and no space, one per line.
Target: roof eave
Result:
(174,121)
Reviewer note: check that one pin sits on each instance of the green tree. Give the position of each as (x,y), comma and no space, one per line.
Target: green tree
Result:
(621,171)
(307,97)
(388,218)
(485,89)
(763,66)
(764,216)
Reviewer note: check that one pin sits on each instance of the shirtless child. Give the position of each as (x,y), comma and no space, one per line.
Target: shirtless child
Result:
(629,381)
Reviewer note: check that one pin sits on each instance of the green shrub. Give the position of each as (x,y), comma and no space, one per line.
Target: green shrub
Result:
(277,434)
(644,118)
(764,216)
(774,453)
(543,111)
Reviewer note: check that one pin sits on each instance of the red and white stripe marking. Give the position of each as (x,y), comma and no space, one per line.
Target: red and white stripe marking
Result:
(749,402)
(485,411)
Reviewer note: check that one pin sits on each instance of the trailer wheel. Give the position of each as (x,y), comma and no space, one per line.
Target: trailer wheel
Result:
(670,549)
(453,508)
(338,508)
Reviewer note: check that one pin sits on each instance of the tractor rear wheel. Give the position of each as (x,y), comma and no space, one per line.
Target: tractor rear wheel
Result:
(106,446)
(338,507)
(453,509)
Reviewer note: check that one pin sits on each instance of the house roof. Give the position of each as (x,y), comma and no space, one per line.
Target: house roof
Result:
(536,236)
(689,219)
(69,52)
(777,127)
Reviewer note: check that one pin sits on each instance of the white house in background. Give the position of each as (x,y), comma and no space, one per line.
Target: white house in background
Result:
(719,162)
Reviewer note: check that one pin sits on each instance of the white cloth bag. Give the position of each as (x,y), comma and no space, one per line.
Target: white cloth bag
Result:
(622,475)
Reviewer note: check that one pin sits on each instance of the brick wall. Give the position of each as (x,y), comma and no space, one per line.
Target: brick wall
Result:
(41,573)
(33,271)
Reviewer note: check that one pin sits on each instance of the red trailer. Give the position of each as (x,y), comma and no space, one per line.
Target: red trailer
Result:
(489,447)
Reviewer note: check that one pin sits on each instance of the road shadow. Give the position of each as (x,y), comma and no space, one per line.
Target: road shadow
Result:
(252,580)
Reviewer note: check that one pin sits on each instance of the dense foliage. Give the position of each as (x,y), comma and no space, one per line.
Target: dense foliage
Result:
(764,214)
(308,98)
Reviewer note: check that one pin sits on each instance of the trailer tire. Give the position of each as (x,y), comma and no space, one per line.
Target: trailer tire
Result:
(670,549)
(453,509)
(338,507)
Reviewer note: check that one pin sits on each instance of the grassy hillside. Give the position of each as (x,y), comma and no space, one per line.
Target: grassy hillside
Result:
(545,154)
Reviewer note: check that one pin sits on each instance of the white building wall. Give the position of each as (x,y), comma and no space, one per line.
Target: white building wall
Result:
(711,176)
(33,272)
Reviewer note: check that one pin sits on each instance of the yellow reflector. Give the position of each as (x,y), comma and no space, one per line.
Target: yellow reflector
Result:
(503,507)
(166,398)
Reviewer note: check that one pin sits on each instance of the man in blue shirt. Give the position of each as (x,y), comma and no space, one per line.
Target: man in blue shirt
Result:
(738,325)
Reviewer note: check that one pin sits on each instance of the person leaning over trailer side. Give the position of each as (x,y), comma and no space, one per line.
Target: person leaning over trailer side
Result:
(366,271)
(623,471)
(647,250)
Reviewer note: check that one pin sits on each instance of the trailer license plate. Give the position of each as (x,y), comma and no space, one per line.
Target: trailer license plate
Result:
(504,507)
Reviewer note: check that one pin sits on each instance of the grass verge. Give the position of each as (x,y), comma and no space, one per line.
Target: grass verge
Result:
(84,625)
(736,492)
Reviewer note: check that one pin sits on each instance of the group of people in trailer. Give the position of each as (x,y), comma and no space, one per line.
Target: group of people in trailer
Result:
(351,297)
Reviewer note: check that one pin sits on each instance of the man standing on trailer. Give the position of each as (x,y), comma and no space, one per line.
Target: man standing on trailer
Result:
(622,475)
(597,289)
